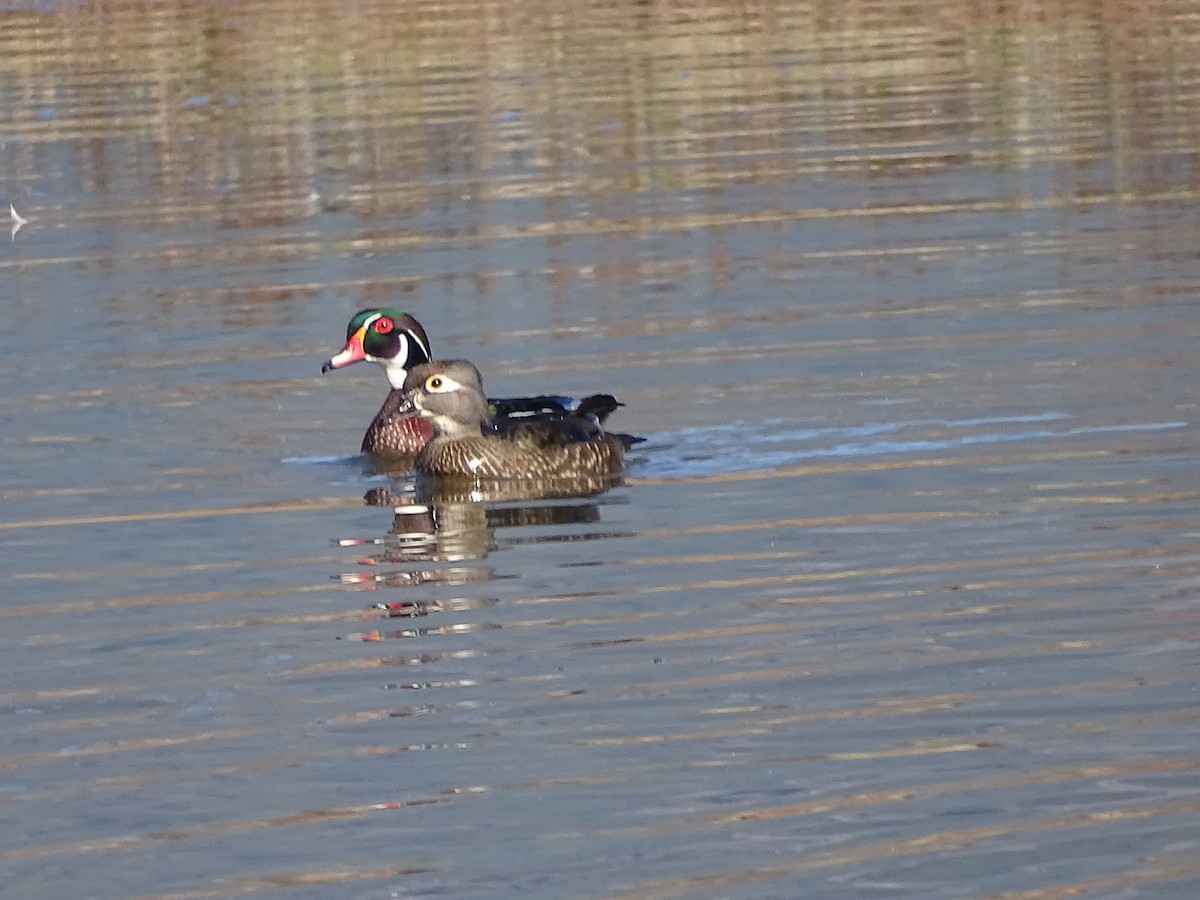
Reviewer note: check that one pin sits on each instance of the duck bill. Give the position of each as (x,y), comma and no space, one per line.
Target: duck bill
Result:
(352,353)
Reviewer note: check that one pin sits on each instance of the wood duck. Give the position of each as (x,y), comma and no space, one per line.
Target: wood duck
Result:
(397,342)
(449,395)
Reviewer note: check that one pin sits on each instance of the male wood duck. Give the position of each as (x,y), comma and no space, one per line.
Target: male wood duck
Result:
(449,394)
(397,342)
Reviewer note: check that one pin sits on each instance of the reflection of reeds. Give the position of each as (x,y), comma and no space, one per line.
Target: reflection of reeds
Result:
(569,127)
(402,108)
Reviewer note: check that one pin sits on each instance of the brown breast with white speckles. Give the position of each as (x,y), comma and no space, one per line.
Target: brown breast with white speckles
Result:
(397,430)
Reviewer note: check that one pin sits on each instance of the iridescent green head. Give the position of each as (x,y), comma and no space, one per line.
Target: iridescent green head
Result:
(392,338)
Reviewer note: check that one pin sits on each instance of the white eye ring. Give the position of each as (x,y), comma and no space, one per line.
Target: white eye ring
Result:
(441,384)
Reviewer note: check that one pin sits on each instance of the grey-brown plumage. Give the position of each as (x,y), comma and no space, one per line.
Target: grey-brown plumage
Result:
(450,395)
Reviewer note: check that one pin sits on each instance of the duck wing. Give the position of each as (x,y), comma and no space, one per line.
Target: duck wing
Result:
(546,405)
(554,406)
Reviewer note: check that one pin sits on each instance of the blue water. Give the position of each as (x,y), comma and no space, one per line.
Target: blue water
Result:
(896,599)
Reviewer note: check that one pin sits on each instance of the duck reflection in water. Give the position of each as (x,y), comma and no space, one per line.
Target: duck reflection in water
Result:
(432,525)
(454,529)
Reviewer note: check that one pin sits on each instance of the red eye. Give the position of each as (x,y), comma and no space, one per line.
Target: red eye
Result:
(383,326)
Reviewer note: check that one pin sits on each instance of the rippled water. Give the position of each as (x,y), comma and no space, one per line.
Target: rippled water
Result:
(897,599)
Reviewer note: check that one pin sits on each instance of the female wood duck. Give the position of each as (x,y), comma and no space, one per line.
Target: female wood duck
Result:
(449,394)
(397,342)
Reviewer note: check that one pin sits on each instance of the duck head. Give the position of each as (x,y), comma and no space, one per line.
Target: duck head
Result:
(449,393)
(392,338)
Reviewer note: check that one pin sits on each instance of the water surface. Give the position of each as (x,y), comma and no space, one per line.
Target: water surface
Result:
(897,599)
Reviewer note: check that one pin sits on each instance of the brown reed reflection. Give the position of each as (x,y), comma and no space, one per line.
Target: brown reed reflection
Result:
(289,110)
